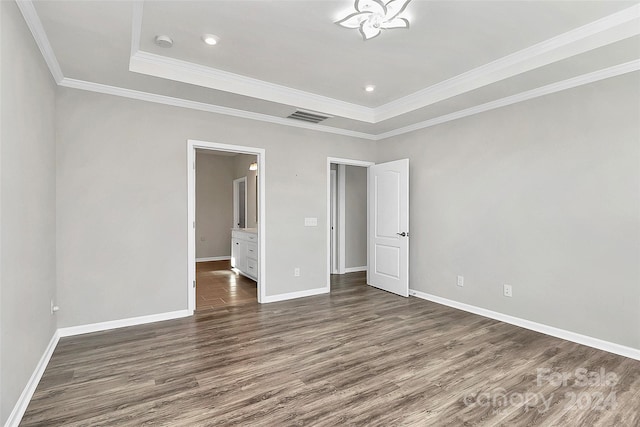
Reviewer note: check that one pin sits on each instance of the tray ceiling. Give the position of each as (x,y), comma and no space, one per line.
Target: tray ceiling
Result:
(277,56)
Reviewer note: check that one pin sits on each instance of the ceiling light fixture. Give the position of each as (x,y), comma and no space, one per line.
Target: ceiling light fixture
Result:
(164,41)
(369,88)
(253,166)
(373,16)
(210,39)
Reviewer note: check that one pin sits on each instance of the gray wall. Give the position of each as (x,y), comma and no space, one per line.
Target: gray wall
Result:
(241,165)
(542,195)
(122,202)
(355,216)
(214,204)
(27,206)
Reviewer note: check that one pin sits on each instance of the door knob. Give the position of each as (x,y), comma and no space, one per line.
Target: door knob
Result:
(403,234)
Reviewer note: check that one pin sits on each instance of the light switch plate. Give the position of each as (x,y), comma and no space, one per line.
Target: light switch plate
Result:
(311,222)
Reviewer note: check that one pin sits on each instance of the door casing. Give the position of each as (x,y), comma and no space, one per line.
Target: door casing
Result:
(344,162)
(260,153)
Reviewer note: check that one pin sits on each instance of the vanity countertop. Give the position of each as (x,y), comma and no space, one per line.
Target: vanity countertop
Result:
(246,230)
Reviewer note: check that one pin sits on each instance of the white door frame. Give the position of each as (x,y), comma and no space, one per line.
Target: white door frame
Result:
(333,223)
(192,145)
(340,162)
(236,197)
(342,218)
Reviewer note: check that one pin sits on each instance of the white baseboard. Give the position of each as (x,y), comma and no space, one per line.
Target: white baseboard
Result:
(614,348)
(23,401)
(294,295)
(355,269)
(112,324)
(21,406)
(213,258)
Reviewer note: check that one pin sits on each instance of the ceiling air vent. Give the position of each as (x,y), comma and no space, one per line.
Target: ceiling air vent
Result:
(308,116)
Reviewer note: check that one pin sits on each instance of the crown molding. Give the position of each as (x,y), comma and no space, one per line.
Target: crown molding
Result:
(188,72)
(136,28)
(210,108)
(626,18)
(32,19)
(584,79)
(607,30)
(191,73)
(610,29)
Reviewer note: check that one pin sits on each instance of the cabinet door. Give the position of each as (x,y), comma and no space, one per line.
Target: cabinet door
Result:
(241,257)
(252,268)
(239,254)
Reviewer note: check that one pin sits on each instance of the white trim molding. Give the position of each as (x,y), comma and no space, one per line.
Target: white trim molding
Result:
(260,153)
(339,161)
(295,295)
(616,70)
(122,323)
(342,217)
(32,19)
(188,72)
(605,31)
(25,397)
(209,108)
(602,32)
(213,258)
(136,28)
(584,79)
(608,30)
(597,343)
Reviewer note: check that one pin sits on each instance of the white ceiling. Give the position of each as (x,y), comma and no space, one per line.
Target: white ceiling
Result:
(275,56)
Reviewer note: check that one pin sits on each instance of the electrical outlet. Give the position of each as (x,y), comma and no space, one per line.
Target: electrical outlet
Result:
(54,307)
(507,290)
(296,272)
(460,281)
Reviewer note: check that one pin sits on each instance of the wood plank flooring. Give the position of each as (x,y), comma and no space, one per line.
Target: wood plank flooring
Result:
(359,356)
(218,286)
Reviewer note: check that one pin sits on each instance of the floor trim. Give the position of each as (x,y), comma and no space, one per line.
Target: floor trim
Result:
(213,258)
(294,295)
(23,401)
(355,269)
(113,324)
(614,348)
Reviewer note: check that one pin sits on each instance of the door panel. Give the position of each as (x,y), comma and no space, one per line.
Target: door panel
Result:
(389,227)
(387,189)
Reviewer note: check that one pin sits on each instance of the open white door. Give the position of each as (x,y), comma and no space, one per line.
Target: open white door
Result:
(389,227)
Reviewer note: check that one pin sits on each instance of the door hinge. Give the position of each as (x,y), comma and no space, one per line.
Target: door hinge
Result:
(194,283)
(194,165)
(194,224)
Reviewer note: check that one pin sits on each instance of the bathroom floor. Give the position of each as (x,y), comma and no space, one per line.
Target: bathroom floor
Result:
(218,286)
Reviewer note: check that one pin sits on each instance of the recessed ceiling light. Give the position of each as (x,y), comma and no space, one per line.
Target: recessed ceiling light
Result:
(164,41)
(210,39)
(369,88)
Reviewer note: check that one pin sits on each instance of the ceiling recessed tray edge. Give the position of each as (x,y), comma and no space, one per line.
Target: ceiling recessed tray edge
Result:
(35,26)
(604,31)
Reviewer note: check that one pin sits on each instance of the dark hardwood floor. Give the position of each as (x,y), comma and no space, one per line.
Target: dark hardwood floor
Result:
(359,356)
(218,286)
